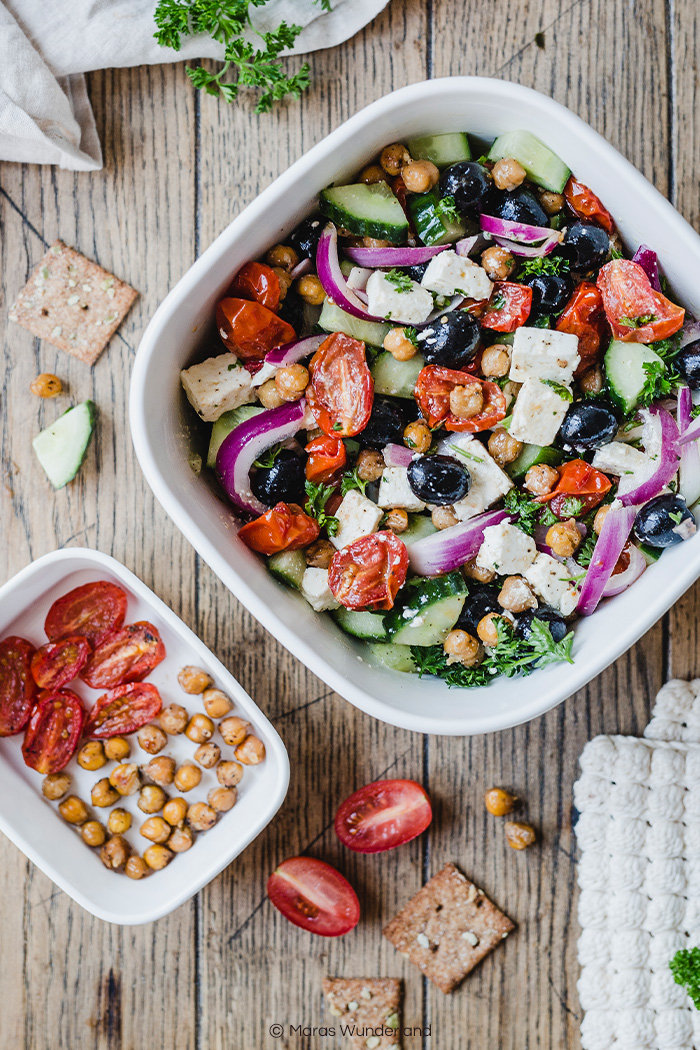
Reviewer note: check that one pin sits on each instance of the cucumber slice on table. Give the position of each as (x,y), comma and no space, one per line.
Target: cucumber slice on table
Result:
(362,624)
(442,150)
(624,371)
(333,319)
(368,211)
(542,166)
(429,611)
(396,378)
(288,566)
(393,657)
(530,456)
(432,226)
(61,448)
(227,422)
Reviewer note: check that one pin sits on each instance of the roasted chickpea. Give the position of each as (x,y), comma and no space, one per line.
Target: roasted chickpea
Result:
(285,279)
(234,730)
(508,174)
(161,770)
(463,648)
(600,516)
(370,465)
(563,538)
(396,520)
(126,778)
(158,857)
(519,835)
(269,396)
(591,382)
(175,811)
(208,755)
(104,794)
(155,829)
(136,867)
(516,595)
(92,755)
(173,718)
(417,436)
(419,176)
(46,385)
(93,833)
(200,728)
(222,799)
(498,263)
(495,360)
(551,202)
(115,853)
(310,289)
(117,749)
(318,556)
(201,816)
(487,629)
(466,401)
(181,839)
(443,517)
(251,752)
(73,810)
(216,703)
(394,157)
(55,785)
(375,242)
(152,739)
(119,821)
(373,174)
(151,799)
(282,255)
(499,802)
(540,479)
(503,447)
(187,777)
(474,572)
(291,382)
(229,773)
(194,680)
(396,343)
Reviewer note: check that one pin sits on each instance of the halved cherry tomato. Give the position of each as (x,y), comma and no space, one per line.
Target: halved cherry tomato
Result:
(584,203)
(313,895)
(341,392)
(93,610)
(128,655)
(508,308)
(327,456)
(53,732)
(17,687)
(249,329)
(284,528)
(580,481)
(432,392)
(383,815)
(58,663)
(258,282)
(368,573)
(584,317)
(123,710)
(636,313)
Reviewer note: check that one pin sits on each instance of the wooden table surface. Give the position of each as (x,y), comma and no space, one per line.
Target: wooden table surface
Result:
(225,966)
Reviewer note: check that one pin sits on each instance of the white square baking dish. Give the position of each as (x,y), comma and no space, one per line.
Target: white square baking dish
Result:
(34,824)
(182,330)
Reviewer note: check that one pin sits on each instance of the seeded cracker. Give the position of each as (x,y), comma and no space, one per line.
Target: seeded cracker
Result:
(73,303)
(368,1005)
(448,928)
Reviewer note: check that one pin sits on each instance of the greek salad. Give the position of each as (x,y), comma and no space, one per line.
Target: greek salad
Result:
(451,409)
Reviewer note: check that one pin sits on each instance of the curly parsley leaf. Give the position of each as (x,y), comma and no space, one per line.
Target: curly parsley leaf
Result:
(662,377)
(447,209)
(615,253)
(400,280)
(637,322)
(317,497)
(526,510)
(497,302)
(352,480)
(554,264)
(268,457)
(685,967)
(412,335)
(584,552)
(559,388)
(571,507)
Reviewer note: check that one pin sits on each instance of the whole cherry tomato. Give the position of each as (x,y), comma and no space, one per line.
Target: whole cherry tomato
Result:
(383,815)
(250,330)
(123,710)
(284,528)
(17,687)
(584,317)
(508,308)
(93,610)
(128,655)
(579,481)
(432,392)
(341,391)
(635,312)
(314,896)
(584,203)
(258,282)
(368,573)
(327,456)
(54,729)
(58,663)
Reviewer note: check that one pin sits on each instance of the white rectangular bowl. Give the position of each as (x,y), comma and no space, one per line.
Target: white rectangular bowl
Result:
(182,331)
(34,824)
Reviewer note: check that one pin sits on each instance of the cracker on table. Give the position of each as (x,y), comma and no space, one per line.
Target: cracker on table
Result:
(448,928)
(369,1008)
(73,303)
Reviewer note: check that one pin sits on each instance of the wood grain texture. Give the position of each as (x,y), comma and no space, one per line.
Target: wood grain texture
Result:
(225,966)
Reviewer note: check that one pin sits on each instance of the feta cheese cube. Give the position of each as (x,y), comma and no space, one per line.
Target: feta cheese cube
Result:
(265,373)
(506,550)
(217,385)
(357,516)
(538,413)
(452,274)
(358,277)
(489,483)
(619,458)
(385,300)
(553,583)
(543,354)
(314,587)
(395,491)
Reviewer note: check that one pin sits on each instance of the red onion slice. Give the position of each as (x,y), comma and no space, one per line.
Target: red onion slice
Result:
(622,580)
(331,277)
(646,258)
(529,251)
(378,257)
(246,443)
(397,455)
(450,548)
(291,353)
(690,453)
(690,332)
(613,536)
(301,268)
(518,231)
(668,460)
(467,245)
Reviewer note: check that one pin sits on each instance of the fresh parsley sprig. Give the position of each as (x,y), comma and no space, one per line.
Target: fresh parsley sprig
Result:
(352,480)
(400,280)
(524,508)
(317,498)
(662,377)
(446,209)
(554,264)
(685,967)
(559,388)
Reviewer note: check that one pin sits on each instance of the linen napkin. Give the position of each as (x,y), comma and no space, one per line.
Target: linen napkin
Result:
(47,45)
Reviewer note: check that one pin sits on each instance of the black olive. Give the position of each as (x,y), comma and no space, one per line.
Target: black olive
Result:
(518,206)
(415,272)
(661,521)
(304,240)
(284,480)
(479,603)
(588,424)
(585,246)
(386,424)
(688,364)
(450,340)
(467,181)
(438,479)
(550,293)
(292,311)
(554,620)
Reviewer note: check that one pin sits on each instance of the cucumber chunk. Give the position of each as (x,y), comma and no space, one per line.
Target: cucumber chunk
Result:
(393,657)
(624,371)
(419,525)
(368,211)
(333,319)
(61,447)
(432,226)
(442,150)
(227,422)
(542,166)
(530,456)
(362,624)
(396,378)
(288,566)
(430,610)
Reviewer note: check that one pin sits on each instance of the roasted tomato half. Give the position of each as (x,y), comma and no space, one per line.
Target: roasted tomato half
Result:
(434,387)
(58,663)
(584,316)
(128,655)
(93,610)
(54,729)
(249,329)
(313,895)
(284,528)
(341,391)
(584,203)
(580,488)
(383,815)
(508,308)
(17,687)
(258,282)
(635,312)
(368,573)
(123,710)
(327,456)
